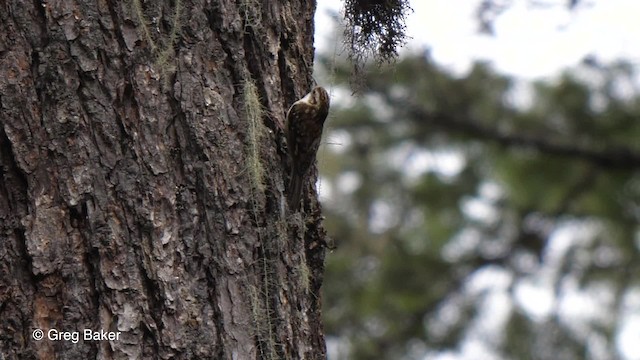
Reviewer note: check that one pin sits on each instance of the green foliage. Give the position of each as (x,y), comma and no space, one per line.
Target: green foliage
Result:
(450,180)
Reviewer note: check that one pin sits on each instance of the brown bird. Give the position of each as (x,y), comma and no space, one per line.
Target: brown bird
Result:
(305,120)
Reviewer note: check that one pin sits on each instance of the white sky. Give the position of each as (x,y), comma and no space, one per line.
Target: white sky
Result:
(529,42)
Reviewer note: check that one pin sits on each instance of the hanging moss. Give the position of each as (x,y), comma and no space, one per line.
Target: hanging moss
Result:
(375,28)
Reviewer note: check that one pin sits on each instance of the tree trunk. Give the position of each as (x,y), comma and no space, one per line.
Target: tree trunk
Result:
(142,207)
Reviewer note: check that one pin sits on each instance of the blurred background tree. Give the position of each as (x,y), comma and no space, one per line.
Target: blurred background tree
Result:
(481,217)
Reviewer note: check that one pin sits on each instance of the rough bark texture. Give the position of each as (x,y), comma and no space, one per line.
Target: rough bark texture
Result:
(142,187)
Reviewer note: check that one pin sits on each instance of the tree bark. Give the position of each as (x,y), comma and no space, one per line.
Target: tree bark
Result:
(142,187)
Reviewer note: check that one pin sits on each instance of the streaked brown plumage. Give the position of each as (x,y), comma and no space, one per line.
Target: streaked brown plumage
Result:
(305,120)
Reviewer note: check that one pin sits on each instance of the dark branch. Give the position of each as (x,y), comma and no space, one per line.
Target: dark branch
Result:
(619,157)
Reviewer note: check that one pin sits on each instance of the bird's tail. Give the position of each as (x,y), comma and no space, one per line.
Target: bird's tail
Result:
(295,190)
